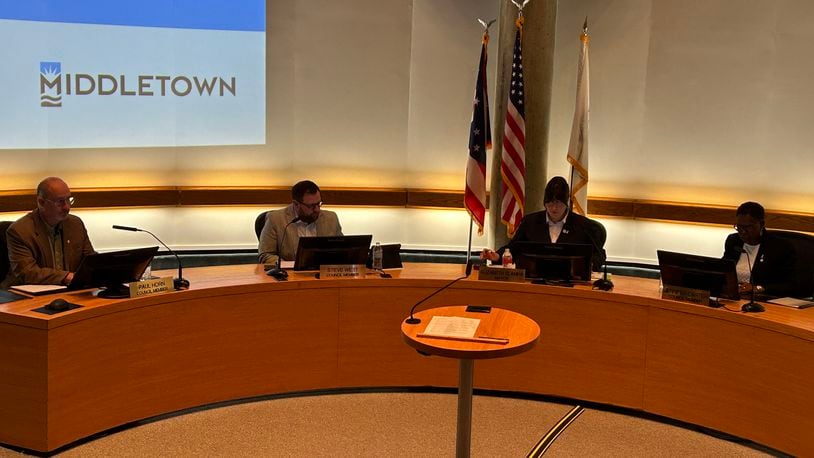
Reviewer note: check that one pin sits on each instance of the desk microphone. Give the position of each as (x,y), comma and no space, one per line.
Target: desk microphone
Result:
(414,320)
(750,306)
(178,283)
(602,284)
(277,271)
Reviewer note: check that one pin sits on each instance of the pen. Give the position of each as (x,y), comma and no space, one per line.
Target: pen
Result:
(497,339)
(481,339)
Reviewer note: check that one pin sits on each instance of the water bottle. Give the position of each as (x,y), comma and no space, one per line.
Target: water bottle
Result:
(148,273)
(377,256)
(507,261)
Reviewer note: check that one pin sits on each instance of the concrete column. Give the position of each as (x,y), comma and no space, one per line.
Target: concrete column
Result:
(538,65)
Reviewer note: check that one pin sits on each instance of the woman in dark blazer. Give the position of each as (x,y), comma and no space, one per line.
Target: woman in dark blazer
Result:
(557,219)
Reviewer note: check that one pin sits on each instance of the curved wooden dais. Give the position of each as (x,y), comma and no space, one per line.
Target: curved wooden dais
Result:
(237,333)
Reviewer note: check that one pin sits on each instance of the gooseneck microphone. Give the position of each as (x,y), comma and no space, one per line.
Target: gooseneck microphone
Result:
(178,283)
(414,320)
(602,284)
(277,271)
(750,306)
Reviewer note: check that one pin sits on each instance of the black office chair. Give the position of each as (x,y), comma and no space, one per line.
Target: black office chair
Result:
(259,222)
(599,235)
(803,245)
(4,263)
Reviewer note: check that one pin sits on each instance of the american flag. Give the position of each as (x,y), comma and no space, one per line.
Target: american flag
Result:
(480,139)
(513,159)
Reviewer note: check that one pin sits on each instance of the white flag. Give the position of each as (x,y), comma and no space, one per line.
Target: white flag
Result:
(578,147)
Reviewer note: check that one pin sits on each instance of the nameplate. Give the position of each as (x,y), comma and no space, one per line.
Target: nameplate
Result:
(342,271)
(501,274)
(147,287)
(679,293)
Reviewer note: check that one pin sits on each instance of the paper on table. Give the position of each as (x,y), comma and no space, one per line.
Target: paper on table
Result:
(452,326)
(792,302)
(36,290)
(286,264)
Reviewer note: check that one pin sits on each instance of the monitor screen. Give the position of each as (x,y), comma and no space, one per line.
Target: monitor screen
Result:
(716,275)
(111,270)
(553,261)
(313,252)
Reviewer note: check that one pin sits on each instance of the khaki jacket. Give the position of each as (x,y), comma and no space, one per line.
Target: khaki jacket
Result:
(271,238)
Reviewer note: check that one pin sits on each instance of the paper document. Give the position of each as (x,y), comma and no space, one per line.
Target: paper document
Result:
(792,302)
(452,326)
(286,264)
(36,290)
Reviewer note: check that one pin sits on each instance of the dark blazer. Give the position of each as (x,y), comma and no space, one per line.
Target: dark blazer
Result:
(773,267)
(29,250)
(576,229)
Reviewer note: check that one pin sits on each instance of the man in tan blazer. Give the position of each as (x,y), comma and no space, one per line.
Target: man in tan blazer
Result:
(304,217)
(47,245)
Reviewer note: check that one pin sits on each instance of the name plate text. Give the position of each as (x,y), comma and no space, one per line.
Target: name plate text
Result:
(501,274)
(342,271)
(152,286)
(679,293)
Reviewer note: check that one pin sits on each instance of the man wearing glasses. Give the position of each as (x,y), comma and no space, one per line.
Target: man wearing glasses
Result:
(303,218)
(763,260)
(47,245)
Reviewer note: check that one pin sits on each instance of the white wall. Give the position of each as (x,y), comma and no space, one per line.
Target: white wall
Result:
(696,101)
(218,228)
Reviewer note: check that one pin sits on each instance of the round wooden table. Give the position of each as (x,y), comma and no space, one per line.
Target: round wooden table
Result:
(500,333)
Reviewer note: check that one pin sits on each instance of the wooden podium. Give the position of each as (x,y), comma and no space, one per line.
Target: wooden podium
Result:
(500,333)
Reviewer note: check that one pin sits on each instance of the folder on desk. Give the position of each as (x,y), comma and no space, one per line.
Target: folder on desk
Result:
(38,290)
(792,302)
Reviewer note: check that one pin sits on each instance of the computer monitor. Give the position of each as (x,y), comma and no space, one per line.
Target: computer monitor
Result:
(391,256)
(716,275)
(564,262)
(313,252)
(111,270)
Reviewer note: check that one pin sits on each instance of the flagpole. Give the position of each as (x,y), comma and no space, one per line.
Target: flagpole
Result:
(577,154)
(469,246)
(480,141)
(513,154)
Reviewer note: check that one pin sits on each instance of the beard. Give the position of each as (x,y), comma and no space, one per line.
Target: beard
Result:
(308,219)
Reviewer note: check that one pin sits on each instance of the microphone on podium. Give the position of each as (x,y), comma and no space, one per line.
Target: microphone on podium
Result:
(750,306)
(277,271)
(602,284)
(414,320)
(178,283)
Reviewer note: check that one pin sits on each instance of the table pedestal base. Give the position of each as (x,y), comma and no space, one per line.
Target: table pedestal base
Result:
(466,370)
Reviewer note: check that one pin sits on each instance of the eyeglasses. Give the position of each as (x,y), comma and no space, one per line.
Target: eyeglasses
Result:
(61,202)
(310,206)
(744,227)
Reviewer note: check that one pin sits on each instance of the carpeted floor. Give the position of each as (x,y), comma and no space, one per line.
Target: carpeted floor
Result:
(399,424)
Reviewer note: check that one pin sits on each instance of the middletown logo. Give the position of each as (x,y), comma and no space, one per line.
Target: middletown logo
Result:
(50,87)
(54,84)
